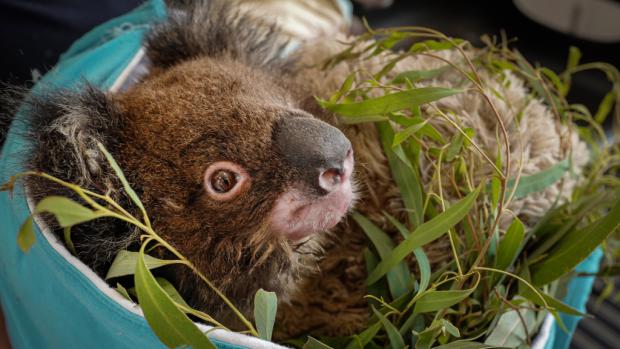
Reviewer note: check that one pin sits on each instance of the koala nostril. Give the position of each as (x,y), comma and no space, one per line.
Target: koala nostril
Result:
(331,179)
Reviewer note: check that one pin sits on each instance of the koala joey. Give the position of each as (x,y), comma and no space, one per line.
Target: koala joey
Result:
(237,165)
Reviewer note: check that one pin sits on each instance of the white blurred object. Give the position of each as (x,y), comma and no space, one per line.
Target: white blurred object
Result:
(302,19)
(594,20)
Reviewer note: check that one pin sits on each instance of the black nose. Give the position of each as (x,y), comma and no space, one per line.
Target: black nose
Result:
(317,151)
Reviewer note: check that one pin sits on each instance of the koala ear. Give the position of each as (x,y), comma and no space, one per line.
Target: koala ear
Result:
(214,28)
(64,129)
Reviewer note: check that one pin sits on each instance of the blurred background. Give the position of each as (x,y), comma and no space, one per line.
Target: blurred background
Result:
(34,33)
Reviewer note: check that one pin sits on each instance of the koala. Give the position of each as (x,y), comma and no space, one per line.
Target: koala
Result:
(243,172)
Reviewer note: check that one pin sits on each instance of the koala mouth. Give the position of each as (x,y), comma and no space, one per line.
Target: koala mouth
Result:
(300,213)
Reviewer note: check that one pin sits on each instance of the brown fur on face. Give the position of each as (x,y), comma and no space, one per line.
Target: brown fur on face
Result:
(171,136)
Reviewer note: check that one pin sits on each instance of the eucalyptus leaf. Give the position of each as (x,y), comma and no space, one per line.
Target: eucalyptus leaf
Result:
(539,181)
(424,234)
(405,175)
(169,323)
(510,245)
(510,331)
(25,236)
(421,258)
(365,337)
(171,291)
(399,277)
(576,246)
(605,107)
(121,176)
(265,308)
(123,291)
(391,102)
(402,136)
(313,343)
(434,300)
(418,75)
(125,263)
(67,212)
(528,293)
(396,340)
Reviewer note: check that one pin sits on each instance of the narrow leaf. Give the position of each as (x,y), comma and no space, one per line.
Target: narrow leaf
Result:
(437,300)
(399,278)
(396,340)
(424,234)
(313,343)
(539,181)
(67,212)
(421,258)
(121,176)
(169,323)
(418,75)
(265,307)
(405,175)
(576,246)
(510,245)
(509,331)
(390,102)
(171,291)
(125,263)
(25,236)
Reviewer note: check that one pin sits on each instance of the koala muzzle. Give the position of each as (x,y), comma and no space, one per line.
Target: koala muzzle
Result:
(317,151)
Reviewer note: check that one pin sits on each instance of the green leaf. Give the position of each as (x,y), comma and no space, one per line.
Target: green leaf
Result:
(171,291)
(436,300)
(402,136)
(457,143)
(450,328)
(125,263)
(509,331)
(25,236)
(396,340)
(605,107)
(365,337)
(67,212)
(344,88)
(539,181)
(265,307)
(123,291)
(121,176)
(528,293)
(510,245)
(399,277)
(426,338)
(421,258)
(576,246)
(313,343)
(434,45)
(390,102)
(418,75)
(424,234)
(169,323)
(405,175)
(68,241)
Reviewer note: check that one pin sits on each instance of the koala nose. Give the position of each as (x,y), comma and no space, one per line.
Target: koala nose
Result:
(318,152)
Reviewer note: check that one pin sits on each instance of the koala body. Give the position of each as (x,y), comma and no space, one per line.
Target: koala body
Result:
(244,173)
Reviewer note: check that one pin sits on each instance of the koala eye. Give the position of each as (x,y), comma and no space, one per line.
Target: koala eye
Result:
(224,180)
